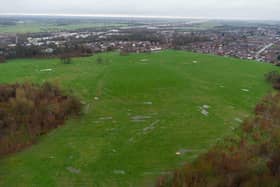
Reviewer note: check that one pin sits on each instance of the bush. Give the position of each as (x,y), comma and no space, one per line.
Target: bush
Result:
(252,158)
(27,111)
(273,77)
(2,59)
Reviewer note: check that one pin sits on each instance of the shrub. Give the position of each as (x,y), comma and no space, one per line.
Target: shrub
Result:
(273,77)
(2,59)
(27,111)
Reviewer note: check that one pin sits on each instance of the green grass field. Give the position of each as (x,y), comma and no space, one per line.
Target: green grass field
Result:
(31,27)
(148,109)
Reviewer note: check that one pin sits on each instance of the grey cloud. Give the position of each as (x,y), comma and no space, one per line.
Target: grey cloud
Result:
(252,9)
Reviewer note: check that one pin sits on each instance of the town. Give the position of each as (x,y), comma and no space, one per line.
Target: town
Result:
(259,42)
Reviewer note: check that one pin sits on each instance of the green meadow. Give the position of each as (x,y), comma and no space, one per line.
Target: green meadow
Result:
(30,27)
(144,115)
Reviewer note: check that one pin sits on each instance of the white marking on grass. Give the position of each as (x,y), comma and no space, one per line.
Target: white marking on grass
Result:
(204,110)
(245,90)
(151,127)
(178,153)
(119,172)
(144,60)
(184,151)
(140,118)
(44,70)
(238,120)
(105,118)
(73,170)
(206,106)
(148,103)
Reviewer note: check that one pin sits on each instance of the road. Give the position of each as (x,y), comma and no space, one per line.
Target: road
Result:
(264,48)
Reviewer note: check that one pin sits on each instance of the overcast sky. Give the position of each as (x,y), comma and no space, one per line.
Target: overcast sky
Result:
(241,9)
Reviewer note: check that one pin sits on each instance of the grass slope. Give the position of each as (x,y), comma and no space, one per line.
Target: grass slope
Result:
(105,147)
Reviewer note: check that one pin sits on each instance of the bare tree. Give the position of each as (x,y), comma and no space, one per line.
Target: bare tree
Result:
(65,58)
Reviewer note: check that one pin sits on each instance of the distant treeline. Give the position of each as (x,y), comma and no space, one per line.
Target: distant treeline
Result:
(79,47)
(38,52)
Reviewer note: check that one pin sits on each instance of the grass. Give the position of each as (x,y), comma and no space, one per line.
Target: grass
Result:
(31,27)
(104,147)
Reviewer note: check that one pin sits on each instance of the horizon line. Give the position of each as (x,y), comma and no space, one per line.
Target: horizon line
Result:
(132,16)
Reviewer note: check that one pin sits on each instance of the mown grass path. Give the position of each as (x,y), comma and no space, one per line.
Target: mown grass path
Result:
(140,110)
